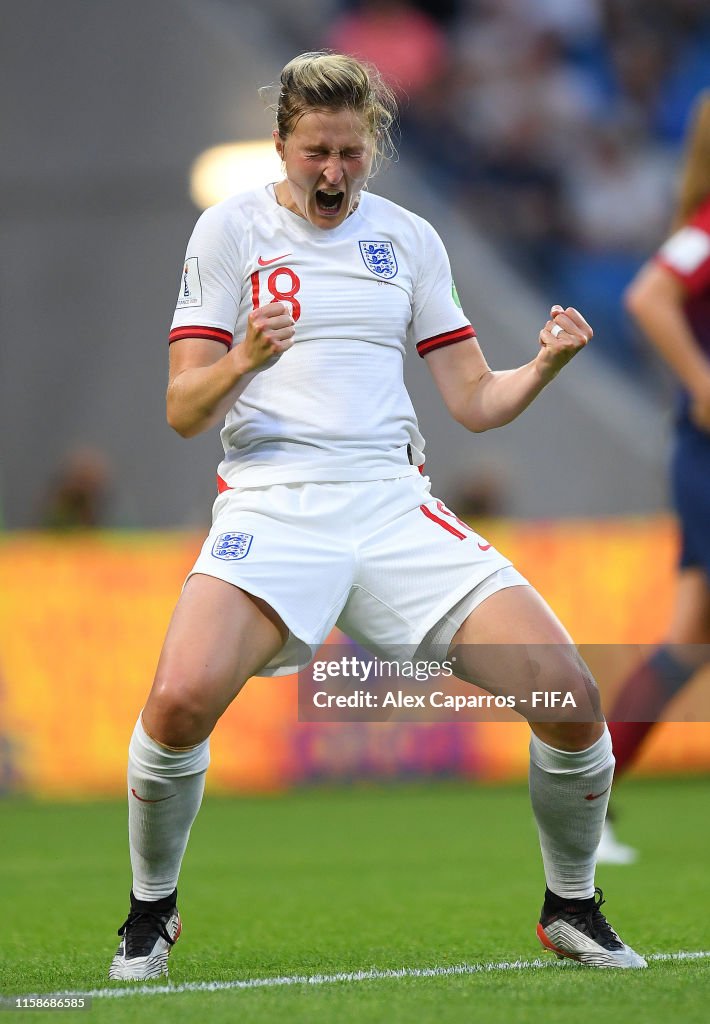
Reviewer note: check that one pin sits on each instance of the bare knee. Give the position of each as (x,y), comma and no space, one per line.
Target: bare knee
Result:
(568,735)
(566,713)
(178,715)
(550,686)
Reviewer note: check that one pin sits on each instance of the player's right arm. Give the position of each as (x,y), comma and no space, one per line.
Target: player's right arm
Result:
(656,299)
(203,378)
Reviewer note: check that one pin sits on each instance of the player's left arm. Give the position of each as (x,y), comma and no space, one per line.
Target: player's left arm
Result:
(480,398)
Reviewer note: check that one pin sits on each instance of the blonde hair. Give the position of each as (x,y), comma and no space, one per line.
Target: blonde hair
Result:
(334,81)
(694,183)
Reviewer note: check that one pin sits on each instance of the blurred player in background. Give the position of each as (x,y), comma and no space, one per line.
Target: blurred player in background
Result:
(79,492)
(297,303)
(670,300)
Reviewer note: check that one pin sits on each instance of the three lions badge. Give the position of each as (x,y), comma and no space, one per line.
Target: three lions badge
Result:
(379,258)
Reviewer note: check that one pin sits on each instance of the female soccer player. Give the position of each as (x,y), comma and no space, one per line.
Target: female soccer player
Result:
(670,300)
(297,304)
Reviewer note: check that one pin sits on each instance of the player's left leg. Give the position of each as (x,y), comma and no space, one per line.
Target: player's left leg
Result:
(652,685)
(512,644)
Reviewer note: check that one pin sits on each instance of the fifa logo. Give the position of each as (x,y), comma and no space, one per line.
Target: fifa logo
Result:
(190,286)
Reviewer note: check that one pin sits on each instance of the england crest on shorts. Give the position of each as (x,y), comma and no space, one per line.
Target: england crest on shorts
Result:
(380,259)
(232,546)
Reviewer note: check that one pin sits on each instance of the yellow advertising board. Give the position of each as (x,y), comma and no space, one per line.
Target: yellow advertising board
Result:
(82,618)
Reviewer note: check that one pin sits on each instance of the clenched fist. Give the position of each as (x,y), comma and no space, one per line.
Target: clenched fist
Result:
(270,331)
(562,337)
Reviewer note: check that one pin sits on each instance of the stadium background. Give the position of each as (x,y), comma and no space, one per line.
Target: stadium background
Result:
(105,108)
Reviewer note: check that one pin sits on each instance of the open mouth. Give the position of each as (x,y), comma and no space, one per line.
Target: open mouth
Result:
(329,203)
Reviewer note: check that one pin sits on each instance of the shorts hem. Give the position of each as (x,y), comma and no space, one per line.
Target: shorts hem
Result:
(276,666)
(452,599)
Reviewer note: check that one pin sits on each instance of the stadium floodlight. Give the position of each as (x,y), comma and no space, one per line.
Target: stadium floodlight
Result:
(221,171)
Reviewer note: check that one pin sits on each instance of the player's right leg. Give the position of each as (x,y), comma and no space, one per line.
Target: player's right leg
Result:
(647,691)
(219,636)
(652,685)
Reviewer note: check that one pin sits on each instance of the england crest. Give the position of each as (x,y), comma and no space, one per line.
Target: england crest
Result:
(232,546)
(379,258)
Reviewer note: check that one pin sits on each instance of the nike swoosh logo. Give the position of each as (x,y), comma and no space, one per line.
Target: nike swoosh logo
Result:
(483,547)
(266,263)
(595,796)
(143,799)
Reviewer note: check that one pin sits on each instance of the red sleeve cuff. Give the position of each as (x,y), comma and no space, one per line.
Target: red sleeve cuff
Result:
(447,338)
(208,333)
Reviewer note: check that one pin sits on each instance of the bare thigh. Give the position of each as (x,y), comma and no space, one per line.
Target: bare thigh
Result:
(513,644)
(218,637)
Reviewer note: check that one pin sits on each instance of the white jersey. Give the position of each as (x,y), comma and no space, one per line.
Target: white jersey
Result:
(333,406)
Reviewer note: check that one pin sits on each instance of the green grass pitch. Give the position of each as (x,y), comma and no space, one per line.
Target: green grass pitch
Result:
(332,881)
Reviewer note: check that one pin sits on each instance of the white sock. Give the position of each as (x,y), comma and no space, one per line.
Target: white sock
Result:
(569,791)
(165,788)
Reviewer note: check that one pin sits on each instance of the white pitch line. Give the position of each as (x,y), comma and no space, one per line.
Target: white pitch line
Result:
(374,974)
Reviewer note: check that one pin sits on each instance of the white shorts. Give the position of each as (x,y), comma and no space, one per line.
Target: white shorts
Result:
(381,559)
